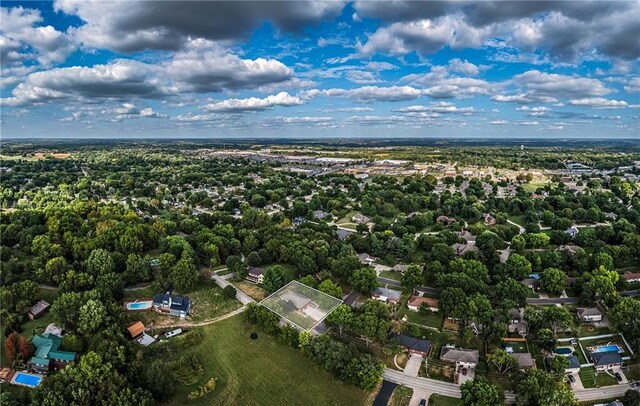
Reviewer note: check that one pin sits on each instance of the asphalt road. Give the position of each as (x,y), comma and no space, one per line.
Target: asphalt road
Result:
(453,390)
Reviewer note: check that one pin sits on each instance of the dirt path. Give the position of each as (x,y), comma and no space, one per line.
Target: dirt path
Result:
(206,322)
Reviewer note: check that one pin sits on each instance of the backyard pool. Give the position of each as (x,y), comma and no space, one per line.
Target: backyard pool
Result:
(26,379)
(607,348)
(141,305)
(563,350)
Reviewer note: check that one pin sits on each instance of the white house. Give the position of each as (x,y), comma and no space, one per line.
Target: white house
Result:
(589,314)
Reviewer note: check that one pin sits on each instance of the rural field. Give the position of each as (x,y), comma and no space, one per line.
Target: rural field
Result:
(262,372)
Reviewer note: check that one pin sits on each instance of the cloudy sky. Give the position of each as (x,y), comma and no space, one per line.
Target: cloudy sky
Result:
(84,68)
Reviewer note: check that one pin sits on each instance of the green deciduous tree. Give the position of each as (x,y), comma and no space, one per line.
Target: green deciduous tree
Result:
(330,288)
(553,281)
(480,392)
(364,280)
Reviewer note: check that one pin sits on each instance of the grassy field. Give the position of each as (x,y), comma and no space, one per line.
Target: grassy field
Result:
(401,396)
(532,186)
(261,372)
(208,302)
(391,275)
(439,400)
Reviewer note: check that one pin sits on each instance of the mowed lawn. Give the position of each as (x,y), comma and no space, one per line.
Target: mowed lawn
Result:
(261,372)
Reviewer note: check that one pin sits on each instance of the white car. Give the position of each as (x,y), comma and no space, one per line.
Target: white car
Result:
(173,333)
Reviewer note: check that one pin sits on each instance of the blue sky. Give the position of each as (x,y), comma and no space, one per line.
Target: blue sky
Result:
(90,69)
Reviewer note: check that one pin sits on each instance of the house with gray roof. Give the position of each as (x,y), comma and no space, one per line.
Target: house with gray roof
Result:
(386,295)
(459,356)
(603,361)
(589,314)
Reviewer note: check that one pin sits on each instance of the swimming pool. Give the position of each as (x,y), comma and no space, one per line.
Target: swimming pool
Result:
(25,379)
(142,305)
(563,350)
(607,348)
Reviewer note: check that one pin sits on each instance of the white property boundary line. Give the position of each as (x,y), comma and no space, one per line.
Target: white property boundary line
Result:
(293,283)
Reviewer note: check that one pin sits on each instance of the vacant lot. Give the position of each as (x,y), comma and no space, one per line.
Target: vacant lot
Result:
(262,372)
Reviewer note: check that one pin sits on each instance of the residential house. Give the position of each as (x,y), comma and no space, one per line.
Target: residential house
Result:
(298,221)
(604,361)
(574,364)
(517,324)
(319,214)
(255,275)
(571,249)
(381,268)
(366,259)
(611,216)
(489,220)
(461,249)
(175,305)
(47,356)
(462,357)
(343,234)
(400,268)
(415,302)
(467,236)
(631,276)
(136,330)
(295,301)
(386,295)
(360,219)
(525,361)
(414,345)
(572,231)
(38,309)
(589,314)
(445,220)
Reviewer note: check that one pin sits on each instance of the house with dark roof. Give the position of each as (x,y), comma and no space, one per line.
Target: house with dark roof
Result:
(175,305)
(414,345)
(47,356)
(603,361)
(38,309)
(255,275)
(343,234)
(461,249)
(386,295)
(574,363)
(631,277)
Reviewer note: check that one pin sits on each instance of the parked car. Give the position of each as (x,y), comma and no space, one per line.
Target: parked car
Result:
(464,371)
(423,402)
(572,379)
(618,377)
(173,333)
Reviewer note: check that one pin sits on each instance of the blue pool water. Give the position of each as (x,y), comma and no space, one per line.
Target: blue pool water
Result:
(563,350)
(139,305)
(607,348)
(27,379)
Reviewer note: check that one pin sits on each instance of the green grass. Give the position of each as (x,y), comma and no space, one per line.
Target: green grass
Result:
(520,220)
(532,186)
(592,380)
(144,293)
(209,303)
(439,400)
(401,396)
(261,372)
(347,218)
(390,275)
